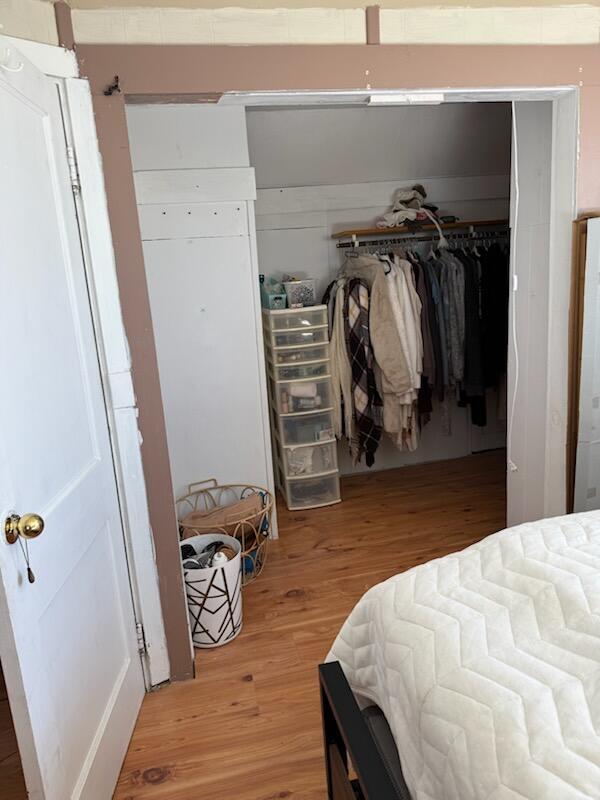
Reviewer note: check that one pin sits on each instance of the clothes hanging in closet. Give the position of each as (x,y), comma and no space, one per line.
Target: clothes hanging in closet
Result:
(407,329)
(366,401)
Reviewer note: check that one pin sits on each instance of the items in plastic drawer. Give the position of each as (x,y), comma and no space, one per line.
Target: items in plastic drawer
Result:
(309,492)
(301,354)
(295,338)
(307,429)
(302,318)
(303,395)
(310,459)
(302,371)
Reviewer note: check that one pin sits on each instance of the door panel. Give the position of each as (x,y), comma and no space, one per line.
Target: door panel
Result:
(72,640)
(210,382)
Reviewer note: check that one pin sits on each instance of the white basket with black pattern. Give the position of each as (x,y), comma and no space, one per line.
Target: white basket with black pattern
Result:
(214,594)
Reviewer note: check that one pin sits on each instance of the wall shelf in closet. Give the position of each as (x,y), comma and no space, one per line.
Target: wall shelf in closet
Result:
(417,228)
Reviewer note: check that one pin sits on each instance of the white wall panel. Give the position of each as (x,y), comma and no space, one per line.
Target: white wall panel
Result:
(300,241)
(183,220)
(200,296)
(195,185)
(187,136)
(295,200)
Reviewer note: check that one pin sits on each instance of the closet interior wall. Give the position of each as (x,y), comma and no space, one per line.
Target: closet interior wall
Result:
(321,170)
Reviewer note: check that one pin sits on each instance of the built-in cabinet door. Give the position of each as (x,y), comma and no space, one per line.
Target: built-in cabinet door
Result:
(204,321)
(587,470)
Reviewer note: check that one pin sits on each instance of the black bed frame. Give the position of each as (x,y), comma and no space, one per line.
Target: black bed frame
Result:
(346,735)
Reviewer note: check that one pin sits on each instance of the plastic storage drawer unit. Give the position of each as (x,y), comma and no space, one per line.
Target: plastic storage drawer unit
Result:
(300,404)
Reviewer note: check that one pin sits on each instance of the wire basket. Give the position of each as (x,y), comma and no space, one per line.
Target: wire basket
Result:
(239,510)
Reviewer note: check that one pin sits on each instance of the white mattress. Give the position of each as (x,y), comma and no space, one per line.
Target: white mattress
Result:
(486,664)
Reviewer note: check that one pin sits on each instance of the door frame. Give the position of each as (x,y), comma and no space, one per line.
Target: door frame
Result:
(112,347)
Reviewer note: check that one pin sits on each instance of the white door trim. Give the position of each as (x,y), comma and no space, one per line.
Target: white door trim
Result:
(114,357)
(115,363)
(49,59)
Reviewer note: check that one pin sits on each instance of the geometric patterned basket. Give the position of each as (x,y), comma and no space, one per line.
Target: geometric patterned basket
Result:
(250,527)
(214,596)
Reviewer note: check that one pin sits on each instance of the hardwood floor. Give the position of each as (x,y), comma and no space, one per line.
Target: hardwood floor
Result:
(248,727)
(12,783)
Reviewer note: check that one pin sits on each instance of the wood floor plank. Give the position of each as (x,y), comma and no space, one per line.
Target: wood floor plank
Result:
(248,727)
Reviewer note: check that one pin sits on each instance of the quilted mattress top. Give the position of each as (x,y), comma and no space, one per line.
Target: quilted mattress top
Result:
(486,664)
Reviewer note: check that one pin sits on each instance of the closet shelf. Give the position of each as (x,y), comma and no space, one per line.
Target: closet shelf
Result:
(417,228)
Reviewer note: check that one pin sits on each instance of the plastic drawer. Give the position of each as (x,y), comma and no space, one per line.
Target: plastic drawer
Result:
(306,428)
(300,355)
(301,337)
(302,371)
(298,318)
(309,459)
(303,395)
(312,492)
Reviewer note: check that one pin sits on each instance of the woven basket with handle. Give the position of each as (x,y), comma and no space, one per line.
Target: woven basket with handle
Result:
(238,509)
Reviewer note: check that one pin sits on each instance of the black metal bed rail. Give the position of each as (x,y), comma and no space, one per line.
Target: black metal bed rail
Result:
(346,733)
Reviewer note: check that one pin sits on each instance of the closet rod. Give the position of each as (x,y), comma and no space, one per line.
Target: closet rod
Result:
(415,237)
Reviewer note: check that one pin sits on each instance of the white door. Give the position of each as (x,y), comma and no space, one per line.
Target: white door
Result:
(67,641)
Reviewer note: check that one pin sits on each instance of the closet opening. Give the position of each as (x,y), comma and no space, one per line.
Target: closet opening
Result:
(294,184)
(397,220)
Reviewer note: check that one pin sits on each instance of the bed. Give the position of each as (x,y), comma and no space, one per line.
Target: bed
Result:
(473,676)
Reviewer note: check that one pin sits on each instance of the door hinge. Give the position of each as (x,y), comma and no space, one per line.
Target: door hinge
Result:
(141,638)
(73,170)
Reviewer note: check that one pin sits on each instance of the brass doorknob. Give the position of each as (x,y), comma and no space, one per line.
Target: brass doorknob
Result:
(28,527)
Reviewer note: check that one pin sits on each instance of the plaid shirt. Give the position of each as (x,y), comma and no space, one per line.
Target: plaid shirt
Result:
(368,406)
